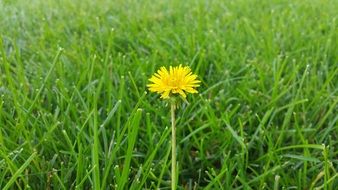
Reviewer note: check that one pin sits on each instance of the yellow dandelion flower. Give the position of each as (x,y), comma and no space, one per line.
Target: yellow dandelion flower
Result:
(178,80)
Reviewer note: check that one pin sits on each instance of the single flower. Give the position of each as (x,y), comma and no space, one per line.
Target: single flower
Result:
(178,80)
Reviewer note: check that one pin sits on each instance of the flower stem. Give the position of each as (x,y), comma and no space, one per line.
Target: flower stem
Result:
(173,147)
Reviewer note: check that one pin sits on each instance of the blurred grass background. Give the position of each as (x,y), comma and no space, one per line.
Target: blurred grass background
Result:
(74,112)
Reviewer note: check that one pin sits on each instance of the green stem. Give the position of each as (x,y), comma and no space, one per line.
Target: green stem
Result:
(173,147)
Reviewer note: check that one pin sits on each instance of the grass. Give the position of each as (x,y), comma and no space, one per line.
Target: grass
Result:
(75,112)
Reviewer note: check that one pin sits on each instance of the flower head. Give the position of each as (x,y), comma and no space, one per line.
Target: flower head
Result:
(178,80)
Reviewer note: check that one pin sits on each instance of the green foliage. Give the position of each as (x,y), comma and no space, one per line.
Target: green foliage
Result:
(74,112)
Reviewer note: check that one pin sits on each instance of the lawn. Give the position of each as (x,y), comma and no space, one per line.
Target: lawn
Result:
(76,113)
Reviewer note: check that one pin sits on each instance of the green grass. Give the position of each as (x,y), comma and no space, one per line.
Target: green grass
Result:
(75,112)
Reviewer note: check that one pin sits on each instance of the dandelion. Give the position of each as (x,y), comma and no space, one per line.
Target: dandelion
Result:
(177,81)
